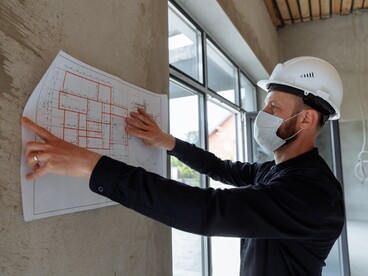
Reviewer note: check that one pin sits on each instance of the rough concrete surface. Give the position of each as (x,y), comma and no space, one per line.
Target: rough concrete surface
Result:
(125,38)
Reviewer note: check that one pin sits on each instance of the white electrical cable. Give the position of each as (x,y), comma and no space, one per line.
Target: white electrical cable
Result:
(360,173)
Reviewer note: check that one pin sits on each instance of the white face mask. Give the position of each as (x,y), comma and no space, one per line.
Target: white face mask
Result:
(265,131)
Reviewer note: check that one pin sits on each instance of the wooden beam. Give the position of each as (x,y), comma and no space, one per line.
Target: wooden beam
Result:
(304,9)
(316,11)
(294,10)
(284,11)
(346,6)
(325,8)
(358,4)
(273,13)
(336,7)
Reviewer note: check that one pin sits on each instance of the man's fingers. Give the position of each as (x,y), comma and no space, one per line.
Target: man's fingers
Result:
(138,133)
(140,118)
(137,124)
(40,131)
(146,115)
(38,172)
(34,146)
(143,116)
(34,157)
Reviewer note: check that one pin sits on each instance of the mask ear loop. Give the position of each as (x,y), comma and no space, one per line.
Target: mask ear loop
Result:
(293,116)
(296,133)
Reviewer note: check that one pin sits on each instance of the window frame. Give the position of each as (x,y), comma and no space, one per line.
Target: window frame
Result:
(201,88)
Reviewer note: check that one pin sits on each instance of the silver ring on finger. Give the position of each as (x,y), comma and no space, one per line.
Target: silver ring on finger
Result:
(35,158)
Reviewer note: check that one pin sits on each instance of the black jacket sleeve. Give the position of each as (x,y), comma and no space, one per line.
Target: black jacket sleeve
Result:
(204,162)
(251,211)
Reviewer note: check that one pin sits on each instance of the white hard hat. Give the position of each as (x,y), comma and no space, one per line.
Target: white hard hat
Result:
(312,78)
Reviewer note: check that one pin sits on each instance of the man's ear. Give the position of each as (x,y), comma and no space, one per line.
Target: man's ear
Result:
(310,119)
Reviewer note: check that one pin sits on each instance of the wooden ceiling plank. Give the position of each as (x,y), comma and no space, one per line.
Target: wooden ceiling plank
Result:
(325,8)
(305,11)
(294,10)
(358,4)
(273,13)
(346,6)
(336,7)
(284,11)
(316,12)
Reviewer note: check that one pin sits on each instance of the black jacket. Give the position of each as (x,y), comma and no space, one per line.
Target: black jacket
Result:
(289,215)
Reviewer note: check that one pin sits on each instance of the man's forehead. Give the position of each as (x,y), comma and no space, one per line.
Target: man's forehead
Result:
(279,96)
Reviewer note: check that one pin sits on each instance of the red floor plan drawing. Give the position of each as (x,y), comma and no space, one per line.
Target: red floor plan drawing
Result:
(87,107)
(91,120)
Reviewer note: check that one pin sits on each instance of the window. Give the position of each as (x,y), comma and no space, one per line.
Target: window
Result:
(222,141)
(208,99)
(185,45)
(248,97)
(222,74)
(185,125)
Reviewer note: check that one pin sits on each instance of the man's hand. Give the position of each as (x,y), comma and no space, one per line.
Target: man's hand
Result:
(143,126)
(57,156)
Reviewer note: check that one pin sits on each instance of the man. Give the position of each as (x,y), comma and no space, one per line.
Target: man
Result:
(289,212)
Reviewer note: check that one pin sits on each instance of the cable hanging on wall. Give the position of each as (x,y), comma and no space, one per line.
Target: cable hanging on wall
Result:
(360,172)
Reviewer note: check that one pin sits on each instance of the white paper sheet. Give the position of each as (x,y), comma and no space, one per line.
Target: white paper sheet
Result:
(87,107)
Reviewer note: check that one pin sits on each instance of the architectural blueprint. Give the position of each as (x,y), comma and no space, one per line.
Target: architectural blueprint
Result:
(86,107)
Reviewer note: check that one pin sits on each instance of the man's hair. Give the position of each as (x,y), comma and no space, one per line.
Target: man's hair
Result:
(300,105)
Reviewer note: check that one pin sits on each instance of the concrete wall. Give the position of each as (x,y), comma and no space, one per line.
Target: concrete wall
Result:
(125,38)
(253,22)
(343,42)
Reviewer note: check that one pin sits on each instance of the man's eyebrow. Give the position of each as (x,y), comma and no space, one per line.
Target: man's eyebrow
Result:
(270,101)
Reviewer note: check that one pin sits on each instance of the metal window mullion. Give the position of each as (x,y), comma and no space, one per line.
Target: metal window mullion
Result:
(206,241)
(204,59)
(240,120)
(337,168)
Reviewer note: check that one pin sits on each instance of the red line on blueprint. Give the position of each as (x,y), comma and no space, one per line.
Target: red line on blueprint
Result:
(94,131)
(79,129)
(72,128)
(92,121)
(94,137)
(64,125)
(98,97)
(98,91)
(62,86)
(79,124)
(59,99)
(77,96)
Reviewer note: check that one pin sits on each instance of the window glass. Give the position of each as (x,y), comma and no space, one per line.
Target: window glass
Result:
(222,74)
(185,125)
(223,143)
(185,45)
(247,94)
